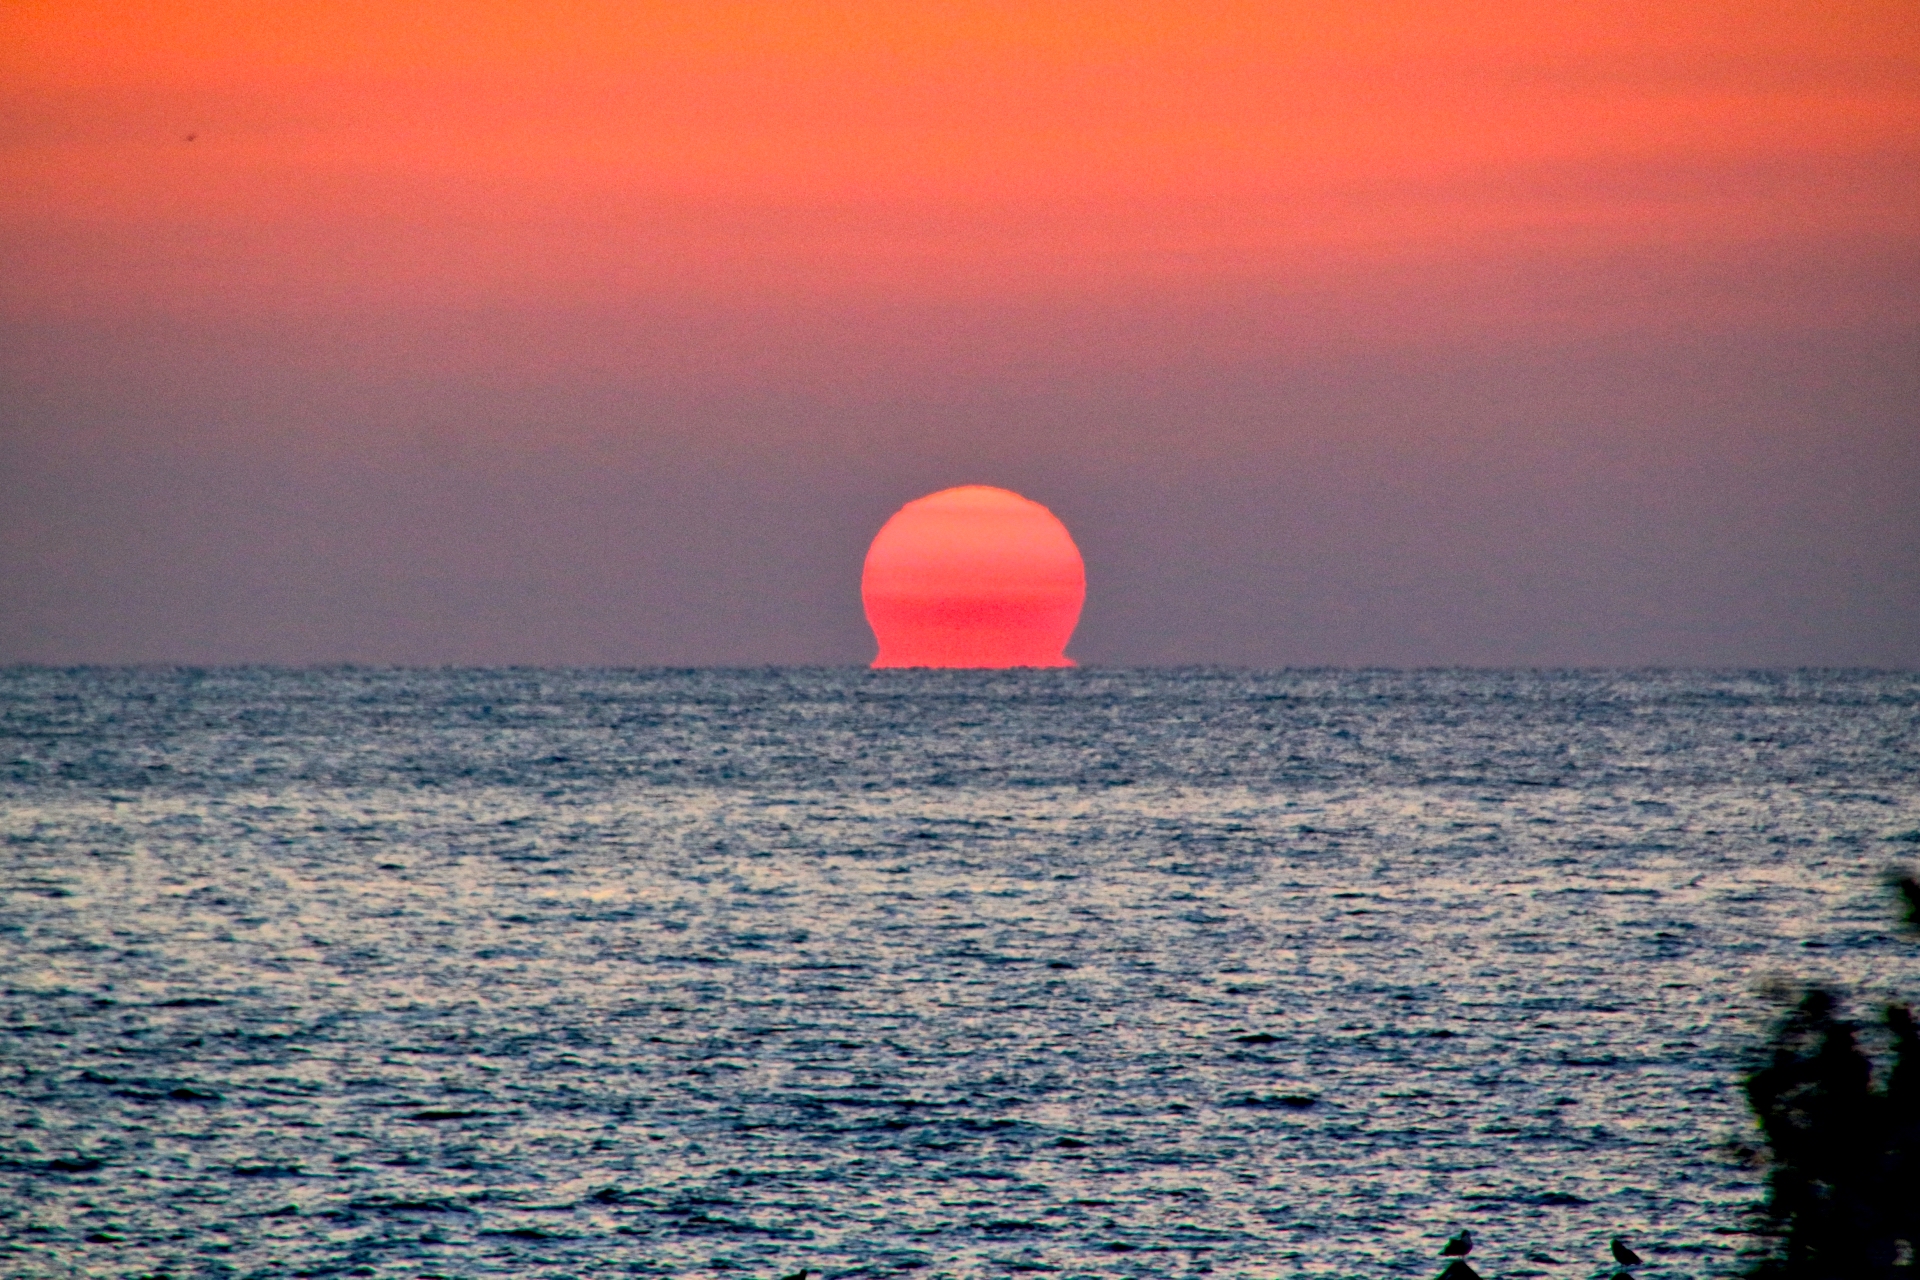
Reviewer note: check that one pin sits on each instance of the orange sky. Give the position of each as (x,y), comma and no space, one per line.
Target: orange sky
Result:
(348,155)
(1404,332)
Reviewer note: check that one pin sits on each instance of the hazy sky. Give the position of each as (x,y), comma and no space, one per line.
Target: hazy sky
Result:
(611,332)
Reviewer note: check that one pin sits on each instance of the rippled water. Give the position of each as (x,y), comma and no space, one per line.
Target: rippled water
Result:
(1092,973)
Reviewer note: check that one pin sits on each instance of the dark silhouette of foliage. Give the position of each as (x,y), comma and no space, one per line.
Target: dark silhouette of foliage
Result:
(1844,1195)
(1909,889)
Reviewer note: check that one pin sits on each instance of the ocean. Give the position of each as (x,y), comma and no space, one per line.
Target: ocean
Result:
(942,974)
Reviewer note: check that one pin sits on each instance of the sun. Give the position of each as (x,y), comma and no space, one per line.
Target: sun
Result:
(973,577)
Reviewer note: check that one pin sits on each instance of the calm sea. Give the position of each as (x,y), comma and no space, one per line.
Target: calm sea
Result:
(1079,973)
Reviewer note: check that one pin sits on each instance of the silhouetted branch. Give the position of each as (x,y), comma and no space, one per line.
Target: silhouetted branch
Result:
(1845,1156)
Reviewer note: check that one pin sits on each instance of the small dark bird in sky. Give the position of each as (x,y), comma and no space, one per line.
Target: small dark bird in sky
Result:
(192,136)
(1623,1255)
(1458,1245)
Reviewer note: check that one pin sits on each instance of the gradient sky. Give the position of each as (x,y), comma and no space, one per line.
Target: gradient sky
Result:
(612,332)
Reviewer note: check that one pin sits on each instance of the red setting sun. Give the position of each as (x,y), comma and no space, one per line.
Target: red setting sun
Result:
(973,577)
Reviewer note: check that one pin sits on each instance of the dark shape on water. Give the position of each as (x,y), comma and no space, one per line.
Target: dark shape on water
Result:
(1458,1245)
(1623,1255)
(1458,1270)
(1258,1037)
(410,1204)
(1845,1155)
(801,1274)
(1909,887)
(1286,1101)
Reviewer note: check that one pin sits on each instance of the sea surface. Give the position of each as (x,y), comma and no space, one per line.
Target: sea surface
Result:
(940,974)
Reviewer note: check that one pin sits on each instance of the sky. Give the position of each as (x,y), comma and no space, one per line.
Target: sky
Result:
(610,333)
